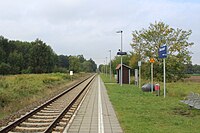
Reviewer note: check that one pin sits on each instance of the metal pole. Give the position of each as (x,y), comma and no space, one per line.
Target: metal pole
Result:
(106,67)
(139,76)
(110,64)
(121,62)
(151,77)
(164,77)
(121,73)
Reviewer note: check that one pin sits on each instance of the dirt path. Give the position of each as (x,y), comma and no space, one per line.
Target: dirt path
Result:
(193,79)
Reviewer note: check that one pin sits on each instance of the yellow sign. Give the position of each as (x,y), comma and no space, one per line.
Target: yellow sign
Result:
(152,60)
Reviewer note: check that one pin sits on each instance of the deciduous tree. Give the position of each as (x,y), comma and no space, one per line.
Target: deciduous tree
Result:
(146,43)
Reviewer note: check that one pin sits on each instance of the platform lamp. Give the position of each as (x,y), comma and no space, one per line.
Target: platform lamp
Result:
(121,55)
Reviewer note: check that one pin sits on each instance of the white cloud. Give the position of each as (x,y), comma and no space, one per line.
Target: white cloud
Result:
(89,27)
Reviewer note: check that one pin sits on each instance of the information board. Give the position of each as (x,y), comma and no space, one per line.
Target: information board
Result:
(162,52)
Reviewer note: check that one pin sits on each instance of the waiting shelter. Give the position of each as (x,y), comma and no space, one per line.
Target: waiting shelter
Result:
(126,73)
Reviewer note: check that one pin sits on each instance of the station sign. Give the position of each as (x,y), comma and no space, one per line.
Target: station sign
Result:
(162,52)
(121,53)
(139,63)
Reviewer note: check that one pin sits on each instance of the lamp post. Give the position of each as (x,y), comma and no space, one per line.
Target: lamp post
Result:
(110,64)
(139,65)
(106,68)
(104,71)
(121,55)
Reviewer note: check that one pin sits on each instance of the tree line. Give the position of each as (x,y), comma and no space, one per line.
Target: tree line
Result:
(145,45)
(18,57)
(192,69)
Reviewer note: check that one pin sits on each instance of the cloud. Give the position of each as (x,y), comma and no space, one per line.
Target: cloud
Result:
(89,27)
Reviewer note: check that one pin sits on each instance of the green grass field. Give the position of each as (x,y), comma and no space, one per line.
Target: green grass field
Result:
(144,112)
(19,91)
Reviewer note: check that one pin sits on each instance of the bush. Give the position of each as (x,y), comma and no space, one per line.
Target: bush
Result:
(26,71)
(4,68)
(61,70)
(50,80)
(4,98)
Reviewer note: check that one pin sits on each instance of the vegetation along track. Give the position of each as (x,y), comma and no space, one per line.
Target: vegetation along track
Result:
(53,115)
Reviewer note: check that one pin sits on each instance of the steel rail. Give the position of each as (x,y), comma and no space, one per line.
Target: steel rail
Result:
(53,124)
(25,117)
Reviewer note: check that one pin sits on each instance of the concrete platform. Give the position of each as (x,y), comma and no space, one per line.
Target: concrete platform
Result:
(96,114)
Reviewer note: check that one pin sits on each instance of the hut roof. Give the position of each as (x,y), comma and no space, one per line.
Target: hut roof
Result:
(119,66)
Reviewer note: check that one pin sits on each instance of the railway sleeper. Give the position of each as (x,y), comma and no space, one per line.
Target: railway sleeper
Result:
(58,102)
(35,124)
(52,109)
(67,116)
(70,113)
(48,113)
(29,129)
(55,131)
(44,117)
(57,105)
(39,120)
(61,123)
(65,120)
(61,106)
(74,107)
(58,128)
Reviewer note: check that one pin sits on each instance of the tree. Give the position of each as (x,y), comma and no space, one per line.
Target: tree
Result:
(23,48)
(4,68)
(93,65)
(89,66)
(2,55)
(192,69)
(196,69)
(15,60)
(37,57)
(63,61)
(4,49)
(102,68)
(146,43)
(81,58)
(117,60)
(74,64)
(42,57)
(133,62)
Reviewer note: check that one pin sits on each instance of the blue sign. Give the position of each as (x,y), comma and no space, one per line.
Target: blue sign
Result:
(121,53)
(162,52)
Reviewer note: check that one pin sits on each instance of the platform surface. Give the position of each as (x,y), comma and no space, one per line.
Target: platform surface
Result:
(96,113)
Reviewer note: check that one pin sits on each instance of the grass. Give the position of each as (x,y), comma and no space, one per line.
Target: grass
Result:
(195,74)
(144,112)
(106,78)
(19,91)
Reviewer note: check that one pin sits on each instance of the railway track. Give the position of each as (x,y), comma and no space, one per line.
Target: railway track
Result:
(53,115)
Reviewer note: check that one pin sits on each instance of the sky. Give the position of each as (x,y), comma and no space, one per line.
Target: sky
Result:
(88,27)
